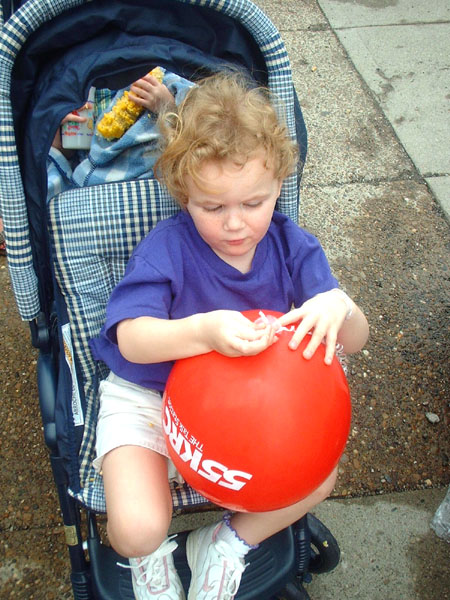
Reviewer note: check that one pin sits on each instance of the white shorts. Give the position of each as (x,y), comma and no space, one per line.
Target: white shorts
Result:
(130,415)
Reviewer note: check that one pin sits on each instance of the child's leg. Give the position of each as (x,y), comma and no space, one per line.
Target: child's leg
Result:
(216,553)
(253,528)
(138,499)
(139,509)
(131,454)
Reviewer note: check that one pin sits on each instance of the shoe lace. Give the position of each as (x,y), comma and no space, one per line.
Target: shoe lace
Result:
(153,563)
(235,569)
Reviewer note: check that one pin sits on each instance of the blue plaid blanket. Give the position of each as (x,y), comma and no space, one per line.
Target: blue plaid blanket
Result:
(130,157)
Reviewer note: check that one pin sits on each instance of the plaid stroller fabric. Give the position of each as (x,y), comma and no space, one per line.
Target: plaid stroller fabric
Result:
(93,230)
(12,200)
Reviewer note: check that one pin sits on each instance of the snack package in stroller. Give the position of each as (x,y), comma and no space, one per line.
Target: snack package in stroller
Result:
(68,249)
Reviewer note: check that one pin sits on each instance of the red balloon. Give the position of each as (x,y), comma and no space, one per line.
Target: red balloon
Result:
(257,433)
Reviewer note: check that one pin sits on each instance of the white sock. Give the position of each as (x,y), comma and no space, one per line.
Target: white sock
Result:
(230,536)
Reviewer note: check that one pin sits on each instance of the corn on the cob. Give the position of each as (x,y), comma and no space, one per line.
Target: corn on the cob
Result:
(124,113)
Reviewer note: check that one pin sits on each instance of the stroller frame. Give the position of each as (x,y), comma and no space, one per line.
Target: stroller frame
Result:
(39,250)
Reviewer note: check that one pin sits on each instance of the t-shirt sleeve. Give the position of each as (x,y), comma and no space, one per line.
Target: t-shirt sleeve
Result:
(311,271)
(143,291)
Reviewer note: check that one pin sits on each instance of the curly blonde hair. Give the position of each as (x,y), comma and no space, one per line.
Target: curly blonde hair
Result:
(222,117)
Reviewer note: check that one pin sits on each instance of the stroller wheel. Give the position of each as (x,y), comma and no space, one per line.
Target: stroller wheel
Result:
(325,552)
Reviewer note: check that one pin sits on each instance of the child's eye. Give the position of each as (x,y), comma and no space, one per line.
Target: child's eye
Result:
(253,204)
(215,208)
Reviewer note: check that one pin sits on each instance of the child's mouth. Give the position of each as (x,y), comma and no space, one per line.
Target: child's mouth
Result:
(235,242)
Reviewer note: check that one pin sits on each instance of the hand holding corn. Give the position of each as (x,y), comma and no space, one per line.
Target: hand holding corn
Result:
(146,93)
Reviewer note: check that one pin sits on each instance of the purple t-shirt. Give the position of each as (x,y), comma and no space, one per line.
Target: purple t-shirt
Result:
(173,273)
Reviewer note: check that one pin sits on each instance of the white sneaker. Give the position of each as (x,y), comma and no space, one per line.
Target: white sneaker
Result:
(155,577)
(216,568)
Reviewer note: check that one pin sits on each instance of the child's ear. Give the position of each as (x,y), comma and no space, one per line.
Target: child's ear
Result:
(280,185)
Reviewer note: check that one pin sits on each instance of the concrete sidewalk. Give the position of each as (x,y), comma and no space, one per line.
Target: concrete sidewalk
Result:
(388,551)
(401,48)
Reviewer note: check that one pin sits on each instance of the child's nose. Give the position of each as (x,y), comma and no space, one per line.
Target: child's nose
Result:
(233,220)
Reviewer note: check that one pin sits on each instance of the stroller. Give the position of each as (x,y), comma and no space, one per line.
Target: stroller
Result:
(66,256)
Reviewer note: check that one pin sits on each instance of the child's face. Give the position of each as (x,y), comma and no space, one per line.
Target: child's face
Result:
(234,210)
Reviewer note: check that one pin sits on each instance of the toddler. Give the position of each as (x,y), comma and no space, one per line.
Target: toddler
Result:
(224,158)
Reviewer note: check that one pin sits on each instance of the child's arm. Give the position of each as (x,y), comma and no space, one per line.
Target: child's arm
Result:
(331,317)
(150,340)
(150,93)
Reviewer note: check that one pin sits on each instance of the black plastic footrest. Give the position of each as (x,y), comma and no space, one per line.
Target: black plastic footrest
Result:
(269,568)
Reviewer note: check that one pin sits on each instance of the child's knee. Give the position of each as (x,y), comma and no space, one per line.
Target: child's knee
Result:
(325,489)
(133,537)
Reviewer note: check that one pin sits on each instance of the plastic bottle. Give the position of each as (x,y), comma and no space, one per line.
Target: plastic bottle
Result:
(76,135)
(441,520)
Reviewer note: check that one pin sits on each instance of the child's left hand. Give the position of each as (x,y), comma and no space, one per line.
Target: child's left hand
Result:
(323,316)
(150,93)
(72,116)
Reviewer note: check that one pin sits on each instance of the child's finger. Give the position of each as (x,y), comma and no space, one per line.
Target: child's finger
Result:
(73,117)
(252,347)
(316,339)
(290,317)
(148,83)
(136,98)
(255,333)
(138,91)
(151,79)
(330,348)
(302,330)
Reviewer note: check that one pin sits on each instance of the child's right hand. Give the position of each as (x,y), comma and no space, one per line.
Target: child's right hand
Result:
(150,93)
(231,334)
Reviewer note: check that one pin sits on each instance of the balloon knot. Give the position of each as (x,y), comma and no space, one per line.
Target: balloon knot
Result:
(270,319)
